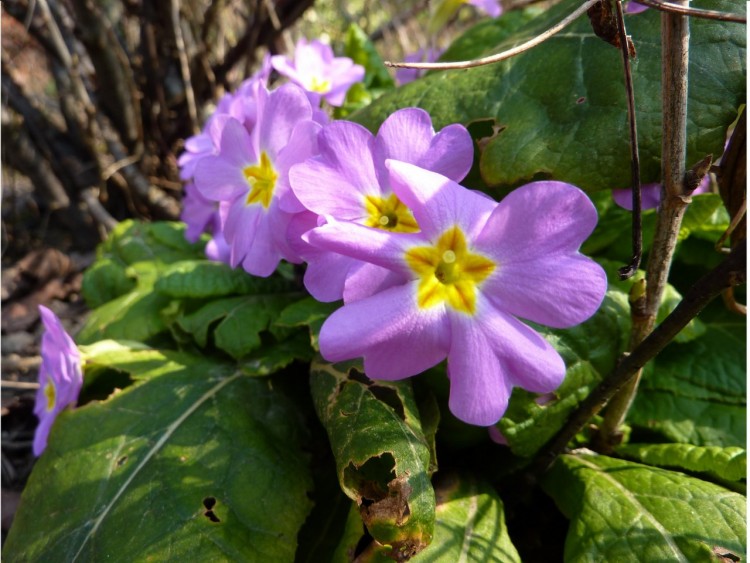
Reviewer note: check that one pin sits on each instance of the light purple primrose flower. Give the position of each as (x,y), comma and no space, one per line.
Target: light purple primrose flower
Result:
(406,75)
(651,194)
(60,377)
(201,215)
(315,69)
(474,267)
(490,7)
(348,181)
(249,178)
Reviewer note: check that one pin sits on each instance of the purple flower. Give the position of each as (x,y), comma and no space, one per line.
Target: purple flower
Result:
(348,181)
(406,75)
(201,215)
(249,178)
(490,7)
(651,194)
(60,376)
(315,69)
(474,267)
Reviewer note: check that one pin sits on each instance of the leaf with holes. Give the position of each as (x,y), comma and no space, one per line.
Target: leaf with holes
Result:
(562,105)
(382,456)
(623,511)
(195,461)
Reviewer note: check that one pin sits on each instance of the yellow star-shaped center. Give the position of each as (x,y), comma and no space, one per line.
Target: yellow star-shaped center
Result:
(449,272)
(389,214)
(262,179)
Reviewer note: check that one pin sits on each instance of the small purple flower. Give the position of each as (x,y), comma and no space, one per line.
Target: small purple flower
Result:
(490,7)
(316,70)
(348,181)
(60,377)
(201,215)
(474,266)
(406,75)
(651,194)
(249,178)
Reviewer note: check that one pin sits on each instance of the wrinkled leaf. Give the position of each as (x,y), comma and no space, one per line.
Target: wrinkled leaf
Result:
(562,104)
(195,462)
(590,351)
(135,315)
(382,456)
(727,463)
(307,312)
(202,278)
(623,511)
(697,391)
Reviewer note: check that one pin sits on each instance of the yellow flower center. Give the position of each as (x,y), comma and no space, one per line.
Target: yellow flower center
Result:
(449,272)
(51,393)
(320,86)
(262,179)
(388,213)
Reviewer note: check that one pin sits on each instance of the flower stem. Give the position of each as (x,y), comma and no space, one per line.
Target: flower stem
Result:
(675,33)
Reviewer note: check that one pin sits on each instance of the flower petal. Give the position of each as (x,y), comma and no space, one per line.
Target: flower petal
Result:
(479,389)
(527,359)
(541,218)
(558,291)
(451,153)
(375,246)
(336,182)
(278,114)
(405,135)
(437,202)
(396,338)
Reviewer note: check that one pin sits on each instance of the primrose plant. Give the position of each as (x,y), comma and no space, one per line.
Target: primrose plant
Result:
(369,336)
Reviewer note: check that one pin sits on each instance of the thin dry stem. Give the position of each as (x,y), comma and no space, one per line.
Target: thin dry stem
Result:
(693,12)
(541,38)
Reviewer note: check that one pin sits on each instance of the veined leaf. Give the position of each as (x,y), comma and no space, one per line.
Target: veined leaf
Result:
(307,312)
(726,463)
(696,393)
(382,456)
(622,511)
(195,462)
(562,107)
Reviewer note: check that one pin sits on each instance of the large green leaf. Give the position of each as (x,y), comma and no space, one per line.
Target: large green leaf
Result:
(561,105)
(726,463)
(382,456)
(696,393)
(623,511)
(590,351)
(194,462)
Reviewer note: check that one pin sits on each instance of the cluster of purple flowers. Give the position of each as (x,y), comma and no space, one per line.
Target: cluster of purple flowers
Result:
(427,269)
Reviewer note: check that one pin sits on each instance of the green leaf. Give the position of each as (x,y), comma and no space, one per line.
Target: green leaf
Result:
(133,316)
(696,393)
(362,51)
(562,104)
(307,312)
(469,524)
(195,462)
(590,351)
(237,322)
(203,278)
(104,281)
(623,511)
(726,463)
(382,456)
